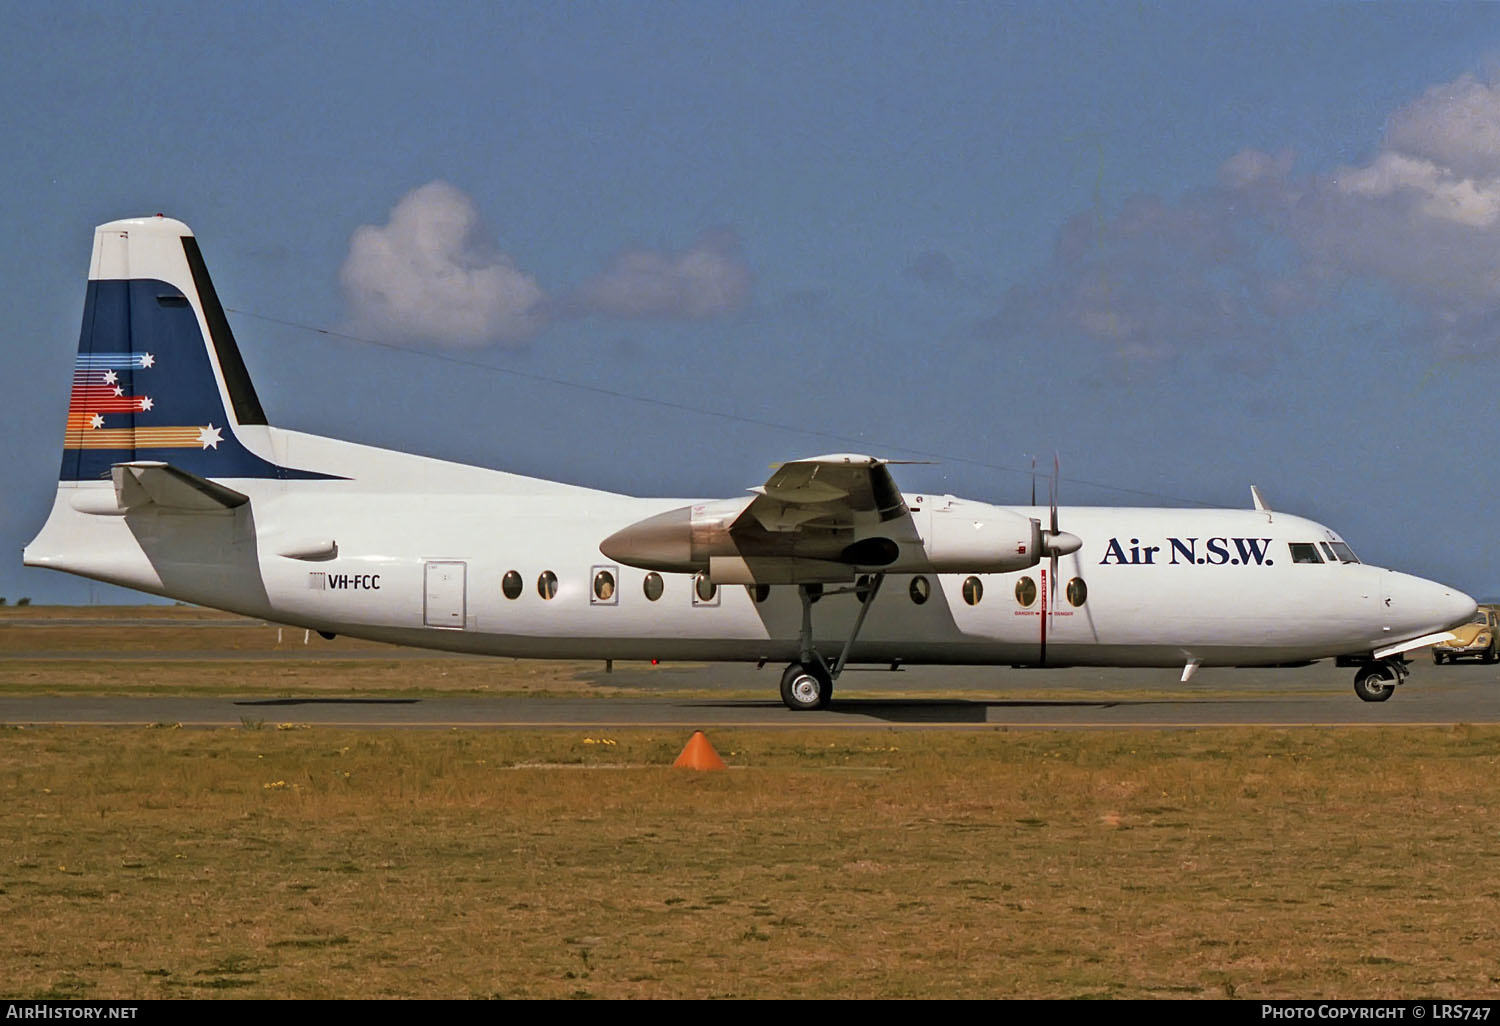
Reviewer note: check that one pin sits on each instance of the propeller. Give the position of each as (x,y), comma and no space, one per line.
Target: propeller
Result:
(1055,542)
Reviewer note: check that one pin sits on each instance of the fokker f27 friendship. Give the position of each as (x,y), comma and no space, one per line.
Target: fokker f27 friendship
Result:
(173,483)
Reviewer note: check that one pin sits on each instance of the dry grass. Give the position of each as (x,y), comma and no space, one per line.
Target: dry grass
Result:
(284,678)
(332,863)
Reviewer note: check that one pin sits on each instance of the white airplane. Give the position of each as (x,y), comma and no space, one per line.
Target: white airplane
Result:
(173,483)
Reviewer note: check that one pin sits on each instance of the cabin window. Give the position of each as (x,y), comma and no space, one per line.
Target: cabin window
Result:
(604,587)
(919,590)
(546,585)
(510,585)
(1344,552)
(973,590)
(759,592)
(705,591)
(1305,552)
(652,586)
(1077,592)
(1026,591)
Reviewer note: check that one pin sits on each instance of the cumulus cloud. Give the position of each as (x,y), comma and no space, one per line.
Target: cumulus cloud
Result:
(707,279)
(1422,215)
(430,273)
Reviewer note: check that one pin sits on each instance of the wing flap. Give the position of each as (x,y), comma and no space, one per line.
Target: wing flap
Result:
(777,570)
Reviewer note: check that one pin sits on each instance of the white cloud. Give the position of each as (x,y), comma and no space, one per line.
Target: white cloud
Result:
(1424,214)
(1456,126)
(706,280)
(429,273)
(1224,265)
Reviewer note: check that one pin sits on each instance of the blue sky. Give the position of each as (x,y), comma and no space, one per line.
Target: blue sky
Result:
(1187,246)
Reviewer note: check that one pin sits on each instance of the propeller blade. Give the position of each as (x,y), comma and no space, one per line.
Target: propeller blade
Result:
(1033,481)
(1052,587)
(1052,489)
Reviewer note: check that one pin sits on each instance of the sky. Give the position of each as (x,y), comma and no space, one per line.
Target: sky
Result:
(656,247)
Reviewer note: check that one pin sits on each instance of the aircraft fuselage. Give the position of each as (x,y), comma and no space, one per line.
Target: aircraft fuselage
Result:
(1159,587)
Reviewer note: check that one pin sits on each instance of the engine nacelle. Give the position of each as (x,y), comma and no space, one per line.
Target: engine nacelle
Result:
(679,540)
(961,537)
(973,537)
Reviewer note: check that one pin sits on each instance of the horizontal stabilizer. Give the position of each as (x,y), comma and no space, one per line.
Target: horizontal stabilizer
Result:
(167,487)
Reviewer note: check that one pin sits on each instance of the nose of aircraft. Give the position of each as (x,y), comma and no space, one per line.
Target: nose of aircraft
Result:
(1429,605)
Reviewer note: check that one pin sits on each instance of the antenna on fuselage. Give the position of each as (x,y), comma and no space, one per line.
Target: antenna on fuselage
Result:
(1260,501)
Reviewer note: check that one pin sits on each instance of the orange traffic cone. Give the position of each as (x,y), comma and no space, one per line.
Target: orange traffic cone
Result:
(698,754)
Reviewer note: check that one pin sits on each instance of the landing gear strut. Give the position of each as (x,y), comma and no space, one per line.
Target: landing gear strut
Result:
(808,683)
(1376,682)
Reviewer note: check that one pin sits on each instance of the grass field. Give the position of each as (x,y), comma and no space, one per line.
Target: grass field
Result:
(268,862)
(330,863)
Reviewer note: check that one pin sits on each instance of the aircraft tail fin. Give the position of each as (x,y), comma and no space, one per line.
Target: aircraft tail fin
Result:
(158,377)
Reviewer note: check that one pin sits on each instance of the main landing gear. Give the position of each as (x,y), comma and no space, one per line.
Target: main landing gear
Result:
(1377,681)
(807,686)
(808,682)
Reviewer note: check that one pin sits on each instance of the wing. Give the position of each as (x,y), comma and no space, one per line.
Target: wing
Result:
(815,520)
(827,493)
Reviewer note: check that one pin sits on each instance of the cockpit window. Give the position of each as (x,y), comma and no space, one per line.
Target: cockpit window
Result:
(1344,552)
(1327,551)
(1305,552)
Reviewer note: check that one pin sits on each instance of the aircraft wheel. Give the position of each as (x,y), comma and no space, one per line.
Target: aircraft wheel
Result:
(806,687)
(1375,683)
(1437,658)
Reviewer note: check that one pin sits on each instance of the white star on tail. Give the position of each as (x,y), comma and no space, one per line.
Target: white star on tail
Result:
(119,390)
(96,421)
(147,360)
(110,377)
(210,437)
(146,403)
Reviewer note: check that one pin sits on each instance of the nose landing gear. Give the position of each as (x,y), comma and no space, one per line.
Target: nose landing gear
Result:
(1376,682)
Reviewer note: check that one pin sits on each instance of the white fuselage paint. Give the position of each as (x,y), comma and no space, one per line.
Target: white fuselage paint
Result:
(423,546)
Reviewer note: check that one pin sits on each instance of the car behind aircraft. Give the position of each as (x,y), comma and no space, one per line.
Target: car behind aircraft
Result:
(174,483)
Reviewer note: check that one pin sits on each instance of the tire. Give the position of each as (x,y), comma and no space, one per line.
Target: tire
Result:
(1375,683)
(805,687)
(1437,658)
(1491,654)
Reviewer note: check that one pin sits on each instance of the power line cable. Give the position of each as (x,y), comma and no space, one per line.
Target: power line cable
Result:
(698,410)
